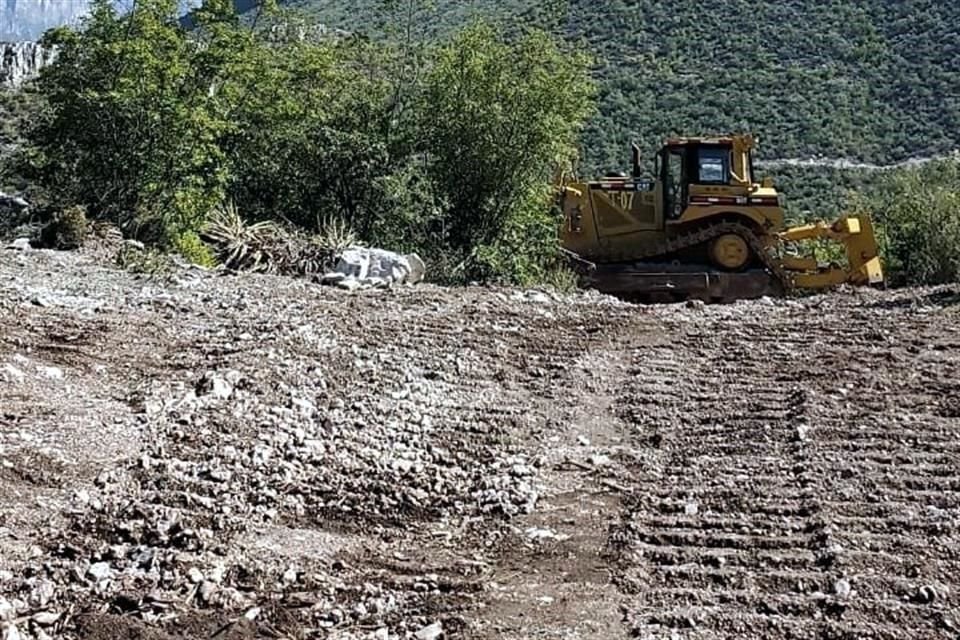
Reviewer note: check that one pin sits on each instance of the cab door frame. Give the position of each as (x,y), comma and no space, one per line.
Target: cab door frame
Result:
(674,200)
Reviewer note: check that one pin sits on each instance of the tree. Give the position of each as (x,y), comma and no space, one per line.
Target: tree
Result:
(919,211)
(498,117)
(132,129)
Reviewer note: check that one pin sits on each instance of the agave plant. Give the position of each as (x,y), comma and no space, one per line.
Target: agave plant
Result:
(334,236)
(240,245)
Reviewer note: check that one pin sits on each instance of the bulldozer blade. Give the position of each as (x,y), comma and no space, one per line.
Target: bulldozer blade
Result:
(863,252)
(661,283)
(856,234)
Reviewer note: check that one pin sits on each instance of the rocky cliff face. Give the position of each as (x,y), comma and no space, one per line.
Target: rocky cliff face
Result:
(20,61)
(28,19)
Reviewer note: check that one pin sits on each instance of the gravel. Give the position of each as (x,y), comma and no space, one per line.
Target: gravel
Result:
(200,451)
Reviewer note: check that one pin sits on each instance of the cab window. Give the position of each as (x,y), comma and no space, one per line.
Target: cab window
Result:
(714,165)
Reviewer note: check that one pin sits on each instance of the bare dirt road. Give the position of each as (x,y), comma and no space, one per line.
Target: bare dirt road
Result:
(216,456)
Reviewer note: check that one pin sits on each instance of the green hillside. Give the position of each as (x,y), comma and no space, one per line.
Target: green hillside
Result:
(871,80)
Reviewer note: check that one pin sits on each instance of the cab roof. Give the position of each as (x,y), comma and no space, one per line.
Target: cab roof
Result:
(746,140)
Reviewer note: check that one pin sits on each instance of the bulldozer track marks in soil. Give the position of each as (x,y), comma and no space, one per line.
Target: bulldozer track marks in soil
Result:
(778,503)
(776,469)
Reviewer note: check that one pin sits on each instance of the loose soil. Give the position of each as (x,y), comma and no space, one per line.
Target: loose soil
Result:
(213,455)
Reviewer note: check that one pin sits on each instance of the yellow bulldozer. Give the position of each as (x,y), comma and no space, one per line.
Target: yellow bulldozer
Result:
(703,227)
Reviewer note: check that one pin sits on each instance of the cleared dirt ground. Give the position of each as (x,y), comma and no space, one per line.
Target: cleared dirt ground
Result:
(210,455)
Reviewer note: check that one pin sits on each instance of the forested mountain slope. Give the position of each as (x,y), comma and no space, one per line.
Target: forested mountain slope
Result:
(870,80)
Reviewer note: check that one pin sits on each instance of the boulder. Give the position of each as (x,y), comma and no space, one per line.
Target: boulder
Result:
(20,244)
(360,267)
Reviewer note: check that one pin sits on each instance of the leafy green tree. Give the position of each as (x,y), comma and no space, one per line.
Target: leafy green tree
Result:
(498,118)
(132,131)
(919,212)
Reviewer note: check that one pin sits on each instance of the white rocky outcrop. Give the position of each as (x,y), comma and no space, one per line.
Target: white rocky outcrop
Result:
(20,61)
(28,19)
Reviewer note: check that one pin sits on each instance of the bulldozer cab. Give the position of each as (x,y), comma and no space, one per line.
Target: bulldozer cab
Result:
(702,165)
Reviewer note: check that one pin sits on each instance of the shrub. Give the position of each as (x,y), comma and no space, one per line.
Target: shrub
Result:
(526,249)
(67,230)
(189,245)
(562,278)
(143,260)
(918,212)
(239,245)
(333,238)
